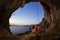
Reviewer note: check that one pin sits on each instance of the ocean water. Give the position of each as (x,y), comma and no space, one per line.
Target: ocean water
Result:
(19,29)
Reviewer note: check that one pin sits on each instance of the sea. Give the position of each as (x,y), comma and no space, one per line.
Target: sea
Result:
(19,29)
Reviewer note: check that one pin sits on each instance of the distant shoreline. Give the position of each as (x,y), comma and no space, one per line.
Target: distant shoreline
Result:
(22,25)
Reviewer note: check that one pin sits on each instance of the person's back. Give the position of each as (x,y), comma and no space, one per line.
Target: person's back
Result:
(40,28)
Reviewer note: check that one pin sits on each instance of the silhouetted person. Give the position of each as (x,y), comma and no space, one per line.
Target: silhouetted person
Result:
(33,30)
(39,30)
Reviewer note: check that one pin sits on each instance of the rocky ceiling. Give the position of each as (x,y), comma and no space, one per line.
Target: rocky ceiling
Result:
(51,15)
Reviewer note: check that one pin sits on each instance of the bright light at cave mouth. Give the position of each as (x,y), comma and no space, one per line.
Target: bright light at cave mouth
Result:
(31,13)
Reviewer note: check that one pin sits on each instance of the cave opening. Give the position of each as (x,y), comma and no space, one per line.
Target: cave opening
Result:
(31,14)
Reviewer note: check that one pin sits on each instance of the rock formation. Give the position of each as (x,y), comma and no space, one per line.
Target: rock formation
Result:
(52,15)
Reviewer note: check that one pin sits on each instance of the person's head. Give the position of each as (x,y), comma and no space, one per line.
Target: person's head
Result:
(43,18)
(38,25)
(33,27)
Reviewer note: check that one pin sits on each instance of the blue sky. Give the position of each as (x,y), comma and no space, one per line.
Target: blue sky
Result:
(31,13)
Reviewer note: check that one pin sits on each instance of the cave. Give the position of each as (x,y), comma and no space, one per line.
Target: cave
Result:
(52,15)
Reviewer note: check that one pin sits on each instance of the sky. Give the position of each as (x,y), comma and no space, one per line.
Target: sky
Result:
(31,13)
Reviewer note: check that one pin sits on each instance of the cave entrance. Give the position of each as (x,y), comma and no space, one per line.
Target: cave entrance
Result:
(31,14)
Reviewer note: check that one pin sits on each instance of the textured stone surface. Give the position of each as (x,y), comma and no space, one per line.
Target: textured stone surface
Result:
(5,35)
(52,15)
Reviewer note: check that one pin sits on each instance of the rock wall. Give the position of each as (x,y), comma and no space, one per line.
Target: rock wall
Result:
(6,9)
(52,15)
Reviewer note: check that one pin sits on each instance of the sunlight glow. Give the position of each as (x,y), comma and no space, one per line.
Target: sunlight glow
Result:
(27,15)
